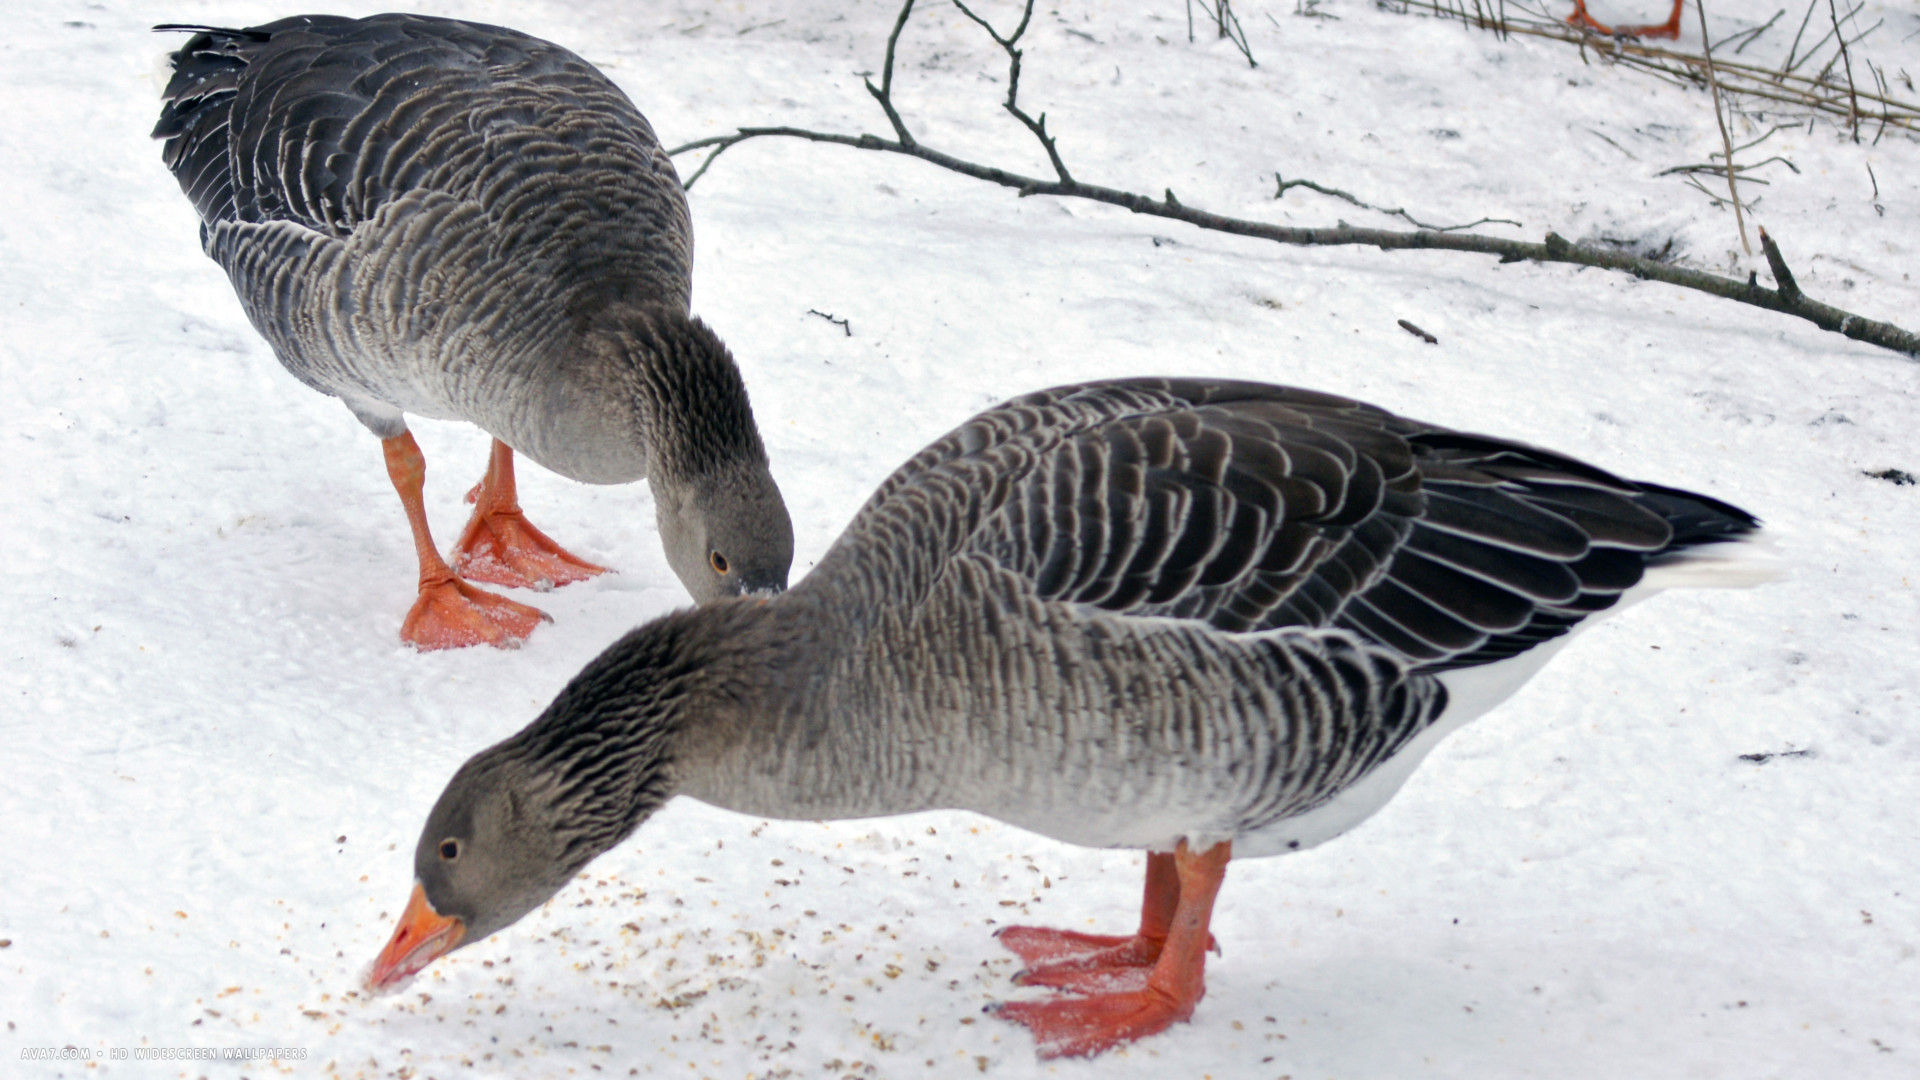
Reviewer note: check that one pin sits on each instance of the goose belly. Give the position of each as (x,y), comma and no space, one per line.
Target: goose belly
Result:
(1153,805)
(1471,692)
(1474,691)
(548,412)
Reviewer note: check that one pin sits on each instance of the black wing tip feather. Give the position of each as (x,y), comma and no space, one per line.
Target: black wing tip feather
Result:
(1696,519)
(212,31)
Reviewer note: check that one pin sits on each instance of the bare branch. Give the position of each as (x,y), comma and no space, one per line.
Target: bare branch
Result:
(884,92)
(1012,104)
(1786,299)
(1777,266)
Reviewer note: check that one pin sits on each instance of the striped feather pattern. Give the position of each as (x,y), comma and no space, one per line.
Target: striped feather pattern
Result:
(1121,614)
(1250,508)
(430,216)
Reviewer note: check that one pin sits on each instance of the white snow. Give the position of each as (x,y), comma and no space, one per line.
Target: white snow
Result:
(217,753)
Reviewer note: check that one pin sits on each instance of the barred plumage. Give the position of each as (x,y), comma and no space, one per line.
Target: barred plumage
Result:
(455,220)
(1152,613)
(1205,538)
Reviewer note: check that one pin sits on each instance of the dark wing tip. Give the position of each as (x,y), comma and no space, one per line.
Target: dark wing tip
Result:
(216,31)
(1695,518)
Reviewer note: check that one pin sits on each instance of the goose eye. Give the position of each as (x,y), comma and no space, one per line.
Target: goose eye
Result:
(449,849)
(719,562)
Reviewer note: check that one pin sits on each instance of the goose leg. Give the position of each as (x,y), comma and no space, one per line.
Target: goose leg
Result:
(1668,29)
(501,547)
(449,613)
(1084,1026)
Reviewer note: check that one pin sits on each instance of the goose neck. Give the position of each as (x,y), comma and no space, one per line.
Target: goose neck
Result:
(689,399)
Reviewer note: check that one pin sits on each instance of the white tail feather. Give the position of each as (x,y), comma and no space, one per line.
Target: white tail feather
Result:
(1738,564)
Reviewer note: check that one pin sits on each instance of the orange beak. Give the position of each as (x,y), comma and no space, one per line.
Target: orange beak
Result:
(423,936)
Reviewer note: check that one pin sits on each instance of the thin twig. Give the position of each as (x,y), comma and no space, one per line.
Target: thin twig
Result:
(841,323)
(1008,44)
(1283,185)
(1721,170)
(1726,140)
(1853,96)
(1615,145)
(1787,299)
(884,92)
(1419,333)
(1227,23)
(1748,37)
(1795,47)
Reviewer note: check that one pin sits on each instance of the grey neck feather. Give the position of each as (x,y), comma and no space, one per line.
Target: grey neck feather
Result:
(612,746)
(689,401)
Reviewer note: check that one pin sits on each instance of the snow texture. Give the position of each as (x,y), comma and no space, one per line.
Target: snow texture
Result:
(218,754)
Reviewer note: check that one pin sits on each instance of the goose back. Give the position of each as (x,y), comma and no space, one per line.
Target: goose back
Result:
(426,215)
(1247,508)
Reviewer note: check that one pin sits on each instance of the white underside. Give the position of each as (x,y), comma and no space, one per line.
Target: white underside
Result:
(1474,691)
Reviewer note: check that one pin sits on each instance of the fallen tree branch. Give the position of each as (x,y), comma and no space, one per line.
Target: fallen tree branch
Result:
(1787,299)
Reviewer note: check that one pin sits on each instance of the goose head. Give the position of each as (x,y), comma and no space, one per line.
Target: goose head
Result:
(722,520)
(727,534)
(521,818)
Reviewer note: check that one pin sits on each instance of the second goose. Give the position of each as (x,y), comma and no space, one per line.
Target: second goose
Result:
(460,221)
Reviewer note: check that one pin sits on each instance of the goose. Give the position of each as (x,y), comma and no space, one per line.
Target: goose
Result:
(460,221)
(1202,619)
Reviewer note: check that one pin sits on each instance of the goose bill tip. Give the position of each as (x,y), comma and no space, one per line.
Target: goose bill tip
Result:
(423,936)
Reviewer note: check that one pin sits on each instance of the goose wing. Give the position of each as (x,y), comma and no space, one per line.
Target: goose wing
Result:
(1249,507)
(327,122)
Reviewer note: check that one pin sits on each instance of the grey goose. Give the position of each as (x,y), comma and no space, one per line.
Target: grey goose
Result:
(1196,618)
(460,221)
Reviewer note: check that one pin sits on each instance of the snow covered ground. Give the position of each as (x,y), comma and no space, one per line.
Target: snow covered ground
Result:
(217,754)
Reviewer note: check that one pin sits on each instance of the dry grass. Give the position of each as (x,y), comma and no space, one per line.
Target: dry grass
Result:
(1818,82)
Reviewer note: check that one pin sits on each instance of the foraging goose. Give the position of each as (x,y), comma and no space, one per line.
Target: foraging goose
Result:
(460,221)
(1197,618)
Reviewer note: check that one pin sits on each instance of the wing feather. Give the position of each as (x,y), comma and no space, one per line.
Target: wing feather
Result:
(1251,508)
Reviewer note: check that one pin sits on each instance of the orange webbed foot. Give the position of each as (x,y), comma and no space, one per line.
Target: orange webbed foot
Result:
(1084,1026)
(1043,948)
(501,547)
(1041,945)
(1080,963)
(1135,986)
(451,614)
